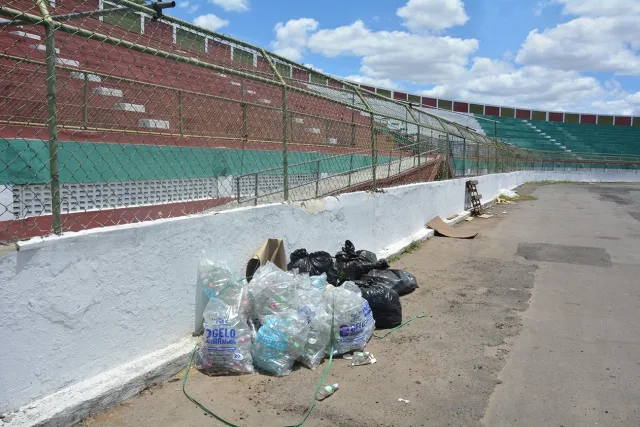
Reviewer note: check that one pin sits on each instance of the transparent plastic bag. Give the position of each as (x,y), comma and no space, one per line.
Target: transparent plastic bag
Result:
(279,342)
(273,291)
(311,306)
(221,282)
(226,343)
(353,322)
(319,282)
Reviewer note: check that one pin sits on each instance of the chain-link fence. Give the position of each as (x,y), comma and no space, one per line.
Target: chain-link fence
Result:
(112,113)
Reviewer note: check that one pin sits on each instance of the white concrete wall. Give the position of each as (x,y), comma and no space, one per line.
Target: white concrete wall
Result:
(79,304)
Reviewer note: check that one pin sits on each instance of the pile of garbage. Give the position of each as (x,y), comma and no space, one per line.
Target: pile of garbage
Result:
(278,318)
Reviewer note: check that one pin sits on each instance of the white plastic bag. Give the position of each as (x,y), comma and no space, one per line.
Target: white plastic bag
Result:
(353,322)
(279,342)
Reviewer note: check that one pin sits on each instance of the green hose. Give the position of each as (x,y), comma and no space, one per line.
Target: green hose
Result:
(313,398)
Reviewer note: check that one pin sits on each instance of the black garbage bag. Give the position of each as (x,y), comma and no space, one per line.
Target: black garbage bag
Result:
(384,302)
(315,264)
(353,264)
(400,281)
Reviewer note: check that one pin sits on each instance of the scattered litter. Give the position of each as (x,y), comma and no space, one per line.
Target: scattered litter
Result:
(504,212)
(347,356)
(469,219)
(327,391)
(363,358)
(501,201)
(452,217)
(508,193)
(486,216)
(402,400)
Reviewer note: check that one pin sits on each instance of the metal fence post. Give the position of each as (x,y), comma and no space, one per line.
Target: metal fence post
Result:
(389,165)
(285,155)
(353,122)
(85,102)
(317,177)
(420,177)
(373,155)
(350,170)
(52,118)
(464,157)
(180,123)
(255,201)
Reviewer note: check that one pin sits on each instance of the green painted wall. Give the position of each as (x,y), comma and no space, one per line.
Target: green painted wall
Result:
(538,115)
(27,162)
(383,92)
(445,105)
(476,109)
(636,122)
(318,79)
(507,112)
(571,118)
(191,41)
(605,120)
(414,99)
(243,56)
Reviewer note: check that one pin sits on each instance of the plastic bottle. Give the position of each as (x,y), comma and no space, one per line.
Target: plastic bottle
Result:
(326,391)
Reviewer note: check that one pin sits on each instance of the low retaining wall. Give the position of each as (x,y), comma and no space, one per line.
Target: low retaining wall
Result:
(77,305)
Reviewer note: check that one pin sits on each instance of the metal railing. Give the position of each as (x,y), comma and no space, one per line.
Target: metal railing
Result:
(110,116)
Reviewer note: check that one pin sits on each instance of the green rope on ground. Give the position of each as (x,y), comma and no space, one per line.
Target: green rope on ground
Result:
(419,316)
(230,424)
(315,393)
(313,398)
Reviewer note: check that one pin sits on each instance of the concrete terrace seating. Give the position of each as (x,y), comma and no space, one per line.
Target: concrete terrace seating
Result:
(565,137)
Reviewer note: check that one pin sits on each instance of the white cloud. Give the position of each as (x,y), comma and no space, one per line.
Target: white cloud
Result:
(432,14)
(499,82)
(544,74)
(291,38)
(396,55)
(599,7)
(187,5)
(232,5)
(210,22)
(604,37)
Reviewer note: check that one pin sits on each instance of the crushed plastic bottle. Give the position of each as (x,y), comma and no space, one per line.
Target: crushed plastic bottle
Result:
(326,391)
(363,358)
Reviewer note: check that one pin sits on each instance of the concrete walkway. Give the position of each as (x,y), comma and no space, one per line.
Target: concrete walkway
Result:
(577,360)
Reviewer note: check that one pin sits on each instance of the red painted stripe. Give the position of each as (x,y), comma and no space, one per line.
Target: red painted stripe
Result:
(429,102)
(491,111)
(77,221)
(461,107)
(589,119)
(556,117)
(523,114)
(622,121)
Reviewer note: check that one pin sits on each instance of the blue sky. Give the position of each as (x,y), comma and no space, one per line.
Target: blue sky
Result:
(571,55)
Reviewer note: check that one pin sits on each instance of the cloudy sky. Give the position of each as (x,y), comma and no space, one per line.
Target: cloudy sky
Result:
(571,55)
